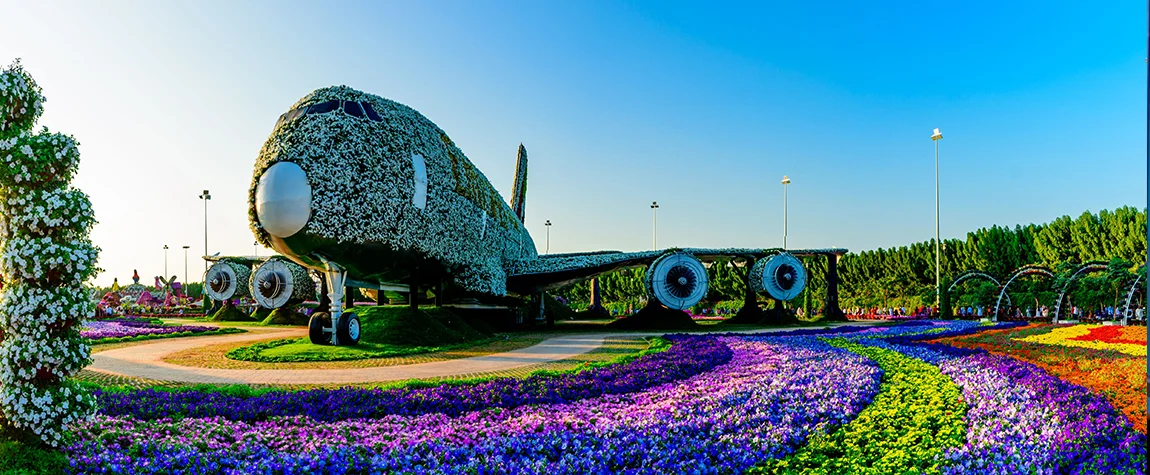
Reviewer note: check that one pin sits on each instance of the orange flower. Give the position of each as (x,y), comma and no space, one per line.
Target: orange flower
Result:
(1119,376)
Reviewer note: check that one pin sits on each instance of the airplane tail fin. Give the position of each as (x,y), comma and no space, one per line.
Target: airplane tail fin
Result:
(519,195)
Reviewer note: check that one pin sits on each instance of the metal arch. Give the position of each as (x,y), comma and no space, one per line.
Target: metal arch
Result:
(1020,272)
(1092,266)
(970,274)
(1127,313)
(974,273)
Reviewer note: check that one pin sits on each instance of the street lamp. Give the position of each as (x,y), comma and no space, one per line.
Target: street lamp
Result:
(255,248)
(786,181)
(937,246)
(655,235)
(548,249)
(165,261)
(186,269)
(206,196)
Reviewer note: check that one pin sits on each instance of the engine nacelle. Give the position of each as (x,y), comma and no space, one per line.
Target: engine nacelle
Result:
(678,281)
(225,280)
(780,276)
(278,281)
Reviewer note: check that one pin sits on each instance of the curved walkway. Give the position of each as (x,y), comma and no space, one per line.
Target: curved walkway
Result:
(146,361)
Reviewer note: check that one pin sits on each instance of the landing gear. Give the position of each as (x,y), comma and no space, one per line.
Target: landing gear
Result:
(317,328)
(328,329)
(347,329)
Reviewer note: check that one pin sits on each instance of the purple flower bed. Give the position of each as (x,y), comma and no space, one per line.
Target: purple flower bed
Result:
(1021,419)
(761,404)
(688,356)
(128,327)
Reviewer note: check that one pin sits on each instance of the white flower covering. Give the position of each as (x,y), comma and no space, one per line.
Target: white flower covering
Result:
(45,256)
(20,100)
(303,287)
(363,181)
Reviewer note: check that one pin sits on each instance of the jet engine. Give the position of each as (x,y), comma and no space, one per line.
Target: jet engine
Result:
(781,276)
(224,280)
(677,281)
(278,281)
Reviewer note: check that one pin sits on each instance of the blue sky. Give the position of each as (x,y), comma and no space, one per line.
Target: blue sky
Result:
(701,107)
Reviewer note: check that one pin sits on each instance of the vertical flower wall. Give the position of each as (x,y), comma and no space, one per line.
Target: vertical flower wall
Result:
(45,257)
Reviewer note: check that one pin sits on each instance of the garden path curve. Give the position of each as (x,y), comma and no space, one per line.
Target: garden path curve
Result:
(146,361)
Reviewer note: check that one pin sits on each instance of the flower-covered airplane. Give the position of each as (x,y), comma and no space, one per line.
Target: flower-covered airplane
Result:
(371,193)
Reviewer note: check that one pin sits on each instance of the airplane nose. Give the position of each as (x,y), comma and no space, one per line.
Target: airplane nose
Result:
(283,199)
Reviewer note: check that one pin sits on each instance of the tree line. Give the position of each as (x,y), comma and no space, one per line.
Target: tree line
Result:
(904,276)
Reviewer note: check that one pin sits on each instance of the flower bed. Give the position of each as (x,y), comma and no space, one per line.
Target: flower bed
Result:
(1120,377)
(760,405)
(807,401)
(131,329)
(1096,337)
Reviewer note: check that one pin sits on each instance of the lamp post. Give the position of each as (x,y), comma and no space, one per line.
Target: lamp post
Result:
(548,248)
(206,196)
(165,261)
(255,248)
(186,269)
(655,234)
(786,181)
(937,245)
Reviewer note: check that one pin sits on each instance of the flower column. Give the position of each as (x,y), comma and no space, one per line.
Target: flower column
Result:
(45,257)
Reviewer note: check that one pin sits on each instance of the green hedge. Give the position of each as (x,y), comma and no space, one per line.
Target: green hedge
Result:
(255,352)
(219,331)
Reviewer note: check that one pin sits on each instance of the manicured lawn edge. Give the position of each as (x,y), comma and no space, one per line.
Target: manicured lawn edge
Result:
(253,352)
(219,331)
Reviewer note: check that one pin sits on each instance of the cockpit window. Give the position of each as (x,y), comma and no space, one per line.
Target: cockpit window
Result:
(322,107)
(352,109)
(355,109)
(371,114)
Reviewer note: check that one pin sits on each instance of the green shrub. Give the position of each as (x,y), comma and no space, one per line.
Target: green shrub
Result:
(21,459)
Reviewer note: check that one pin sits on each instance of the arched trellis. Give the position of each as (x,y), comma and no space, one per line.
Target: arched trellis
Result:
(1092,266)
(1032,269)
(1127,312)
(975,274)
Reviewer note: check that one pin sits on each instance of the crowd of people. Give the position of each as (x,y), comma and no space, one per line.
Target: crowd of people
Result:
(892,313)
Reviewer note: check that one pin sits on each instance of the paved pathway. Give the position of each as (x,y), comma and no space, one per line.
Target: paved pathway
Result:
(146,361)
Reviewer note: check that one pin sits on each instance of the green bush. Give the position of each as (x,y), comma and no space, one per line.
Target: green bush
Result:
(22,459)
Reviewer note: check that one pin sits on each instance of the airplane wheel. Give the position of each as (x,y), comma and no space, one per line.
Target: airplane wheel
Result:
(315,326)
(348,329)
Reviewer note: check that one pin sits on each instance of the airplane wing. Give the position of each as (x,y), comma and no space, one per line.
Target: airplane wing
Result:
(552,271)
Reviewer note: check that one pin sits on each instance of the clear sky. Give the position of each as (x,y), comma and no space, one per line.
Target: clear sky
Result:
(701,106)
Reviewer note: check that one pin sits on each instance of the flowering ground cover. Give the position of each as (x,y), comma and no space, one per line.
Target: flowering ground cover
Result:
(1119,376)
(761,404)
(846,400)
(1097,337)
(131,329)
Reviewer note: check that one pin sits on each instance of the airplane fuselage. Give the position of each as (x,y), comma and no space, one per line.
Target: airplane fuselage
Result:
(376,187)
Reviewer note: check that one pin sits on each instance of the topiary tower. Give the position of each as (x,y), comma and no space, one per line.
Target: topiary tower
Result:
(45,257)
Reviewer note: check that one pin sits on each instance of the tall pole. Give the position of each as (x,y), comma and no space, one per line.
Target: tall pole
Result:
(548,225)
(255,248)
(206,197)
(655,225)
(937,243)
(186,270)
(786,181)
(165,261)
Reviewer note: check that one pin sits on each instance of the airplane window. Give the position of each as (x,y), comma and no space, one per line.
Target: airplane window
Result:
(322,107)
(419,196)
(371,114)
(352,108)
(295,113)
